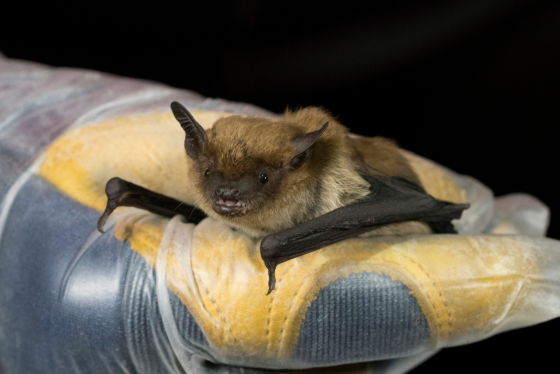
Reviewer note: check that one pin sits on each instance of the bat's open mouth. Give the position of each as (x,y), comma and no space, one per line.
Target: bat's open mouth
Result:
(229,207)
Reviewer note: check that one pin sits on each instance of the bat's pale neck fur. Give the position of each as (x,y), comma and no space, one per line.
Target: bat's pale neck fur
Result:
(329,179)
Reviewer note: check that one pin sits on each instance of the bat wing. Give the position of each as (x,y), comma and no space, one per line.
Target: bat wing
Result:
(123,193)
(391,200)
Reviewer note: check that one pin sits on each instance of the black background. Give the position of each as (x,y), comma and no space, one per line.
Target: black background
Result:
(473,85)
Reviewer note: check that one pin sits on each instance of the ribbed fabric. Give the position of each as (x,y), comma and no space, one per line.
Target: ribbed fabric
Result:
(50,323)
(144,330)
(363,317)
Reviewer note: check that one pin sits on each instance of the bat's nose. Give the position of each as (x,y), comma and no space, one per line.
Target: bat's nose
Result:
(225,193)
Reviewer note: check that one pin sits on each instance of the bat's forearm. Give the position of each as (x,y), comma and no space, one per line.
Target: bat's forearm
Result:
(390,201)
(122,193)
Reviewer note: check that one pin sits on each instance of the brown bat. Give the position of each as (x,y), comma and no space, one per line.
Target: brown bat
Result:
(301,183)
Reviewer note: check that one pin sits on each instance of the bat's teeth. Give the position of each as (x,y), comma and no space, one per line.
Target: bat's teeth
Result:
(231,202)
(229,207)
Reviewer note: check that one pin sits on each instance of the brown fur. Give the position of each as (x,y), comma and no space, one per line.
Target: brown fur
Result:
(330,178)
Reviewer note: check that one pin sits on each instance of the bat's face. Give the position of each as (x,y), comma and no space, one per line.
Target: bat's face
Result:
(248,171)
(233,187)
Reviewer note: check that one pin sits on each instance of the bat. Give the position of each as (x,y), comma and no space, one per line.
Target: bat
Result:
(300,182)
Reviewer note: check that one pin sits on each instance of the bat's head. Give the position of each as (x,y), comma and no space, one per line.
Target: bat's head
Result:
(257,174)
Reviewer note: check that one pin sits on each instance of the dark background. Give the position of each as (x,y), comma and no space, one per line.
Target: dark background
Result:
(473,85)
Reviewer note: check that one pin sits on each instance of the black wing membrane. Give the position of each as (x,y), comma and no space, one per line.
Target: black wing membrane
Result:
(123,193)
(391,200)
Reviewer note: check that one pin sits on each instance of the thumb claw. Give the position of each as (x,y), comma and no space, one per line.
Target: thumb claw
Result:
(101,222)
(271,276)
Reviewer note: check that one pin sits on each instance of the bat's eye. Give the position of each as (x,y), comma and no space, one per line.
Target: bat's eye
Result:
(207,172)
(263,178)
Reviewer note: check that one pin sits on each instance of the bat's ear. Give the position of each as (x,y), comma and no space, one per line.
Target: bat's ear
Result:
(196,140)
(303,143)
